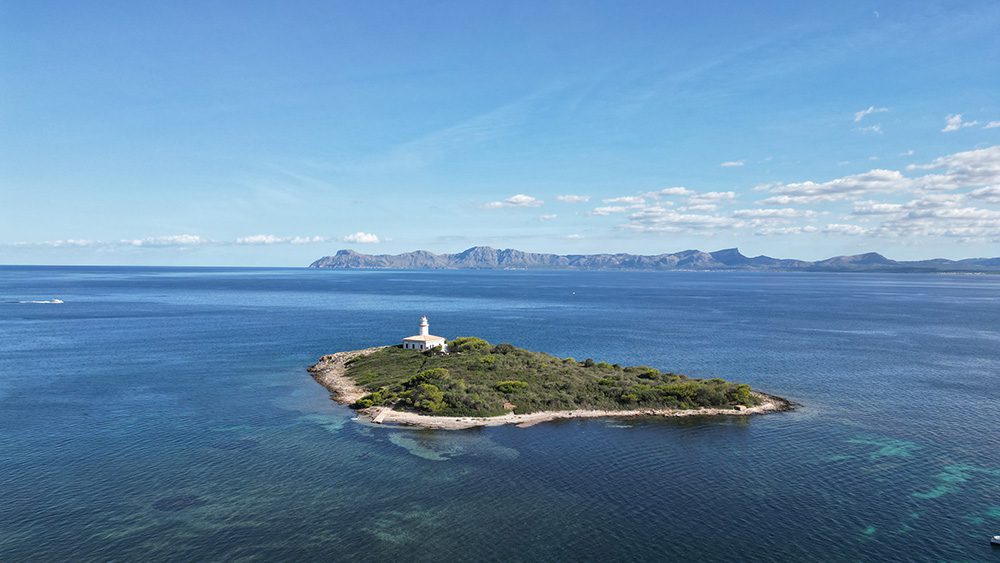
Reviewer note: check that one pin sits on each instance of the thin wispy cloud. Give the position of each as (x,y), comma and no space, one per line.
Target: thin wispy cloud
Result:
(858,116)
(732,164)
(786,212)
(608,210)
(254,240)
(954,122)
(630,199)
(171,240)
(992,125)
(517,200)
(175,241)
(569,198)
(870,130)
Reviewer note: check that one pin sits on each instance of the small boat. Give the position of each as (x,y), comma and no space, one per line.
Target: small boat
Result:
(995,540)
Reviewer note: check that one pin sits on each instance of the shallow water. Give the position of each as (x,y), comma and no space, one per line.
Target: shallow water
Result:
(165,413)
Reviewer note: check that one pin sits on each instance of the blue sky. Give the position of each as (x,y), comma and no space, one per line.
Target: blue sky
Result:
(271,133)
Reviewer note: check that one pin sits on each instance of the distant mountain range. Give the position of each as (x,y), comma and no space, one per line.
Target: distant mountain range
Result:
(487,258)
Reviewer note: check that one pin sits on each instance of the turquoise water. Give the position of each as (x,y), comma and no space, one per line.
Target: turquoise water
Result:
(165,413)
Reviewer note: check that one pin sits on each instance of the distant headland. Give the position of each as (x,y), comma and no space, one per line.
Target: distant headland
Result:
(430,382)
(487,258)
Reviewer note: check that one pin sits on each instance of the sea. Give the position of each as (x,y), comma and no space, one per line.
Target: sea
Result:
(165,414)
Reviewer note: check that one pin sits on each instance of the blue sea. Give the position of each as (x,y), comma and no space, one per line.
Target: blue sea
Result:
(166,414)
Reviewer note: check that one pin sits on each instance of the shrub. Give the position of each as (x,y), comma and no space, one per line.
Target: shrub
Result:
(383,396)
(604,365)
(468,344)
(510,386)
(503,348)
(650,373)
(426,376)
(426,397)
(588,363)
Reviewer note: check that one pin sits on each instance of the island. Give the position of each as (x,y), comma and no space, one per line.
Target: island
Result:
(469,382)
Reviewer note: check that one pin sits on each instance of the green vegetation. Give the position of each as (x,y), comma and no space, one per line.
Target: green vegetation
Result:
(476,378)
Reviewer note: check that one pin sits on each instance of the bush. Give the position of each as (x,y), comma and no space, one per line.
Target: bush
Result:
(383,396)
(426,376)
(503,348)
(468,344)
(510,386)
(588,363)
(426,397)
(651,373)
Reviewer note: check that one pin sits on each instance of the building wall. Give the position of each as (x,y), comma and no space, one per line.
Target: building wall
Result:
(422,346)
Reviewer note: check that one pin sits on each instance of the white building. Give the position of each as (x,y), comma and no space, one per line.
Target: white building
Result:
(425,340)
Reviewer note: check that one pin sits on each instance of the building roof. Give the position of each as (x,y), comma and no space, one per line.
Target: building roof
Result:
(423,338)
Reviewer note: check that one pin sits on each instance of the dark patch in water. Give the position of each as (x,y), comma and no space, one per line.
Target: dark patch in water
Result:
(178,502)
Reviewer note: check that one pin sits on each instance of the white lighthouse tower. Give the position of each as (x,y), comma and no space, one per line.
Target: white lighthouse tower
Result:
(425,340)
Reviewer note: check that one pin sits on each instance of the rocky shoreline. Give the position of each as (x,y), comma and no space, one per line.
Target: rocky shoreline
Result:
(331,372)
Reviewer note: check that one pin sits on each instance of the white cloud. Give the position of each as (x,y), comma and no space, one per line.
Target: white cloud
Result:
(171,240)
(361,237)
(261,239)
(609,210)
(675,191)
(858,116)
(518,200)
(713,196)
(854,185)
(769,230)
(64,243)
(840,228)
(962,170)
(630,199)
(875,208)
(990,194)
(660,219)
(732,163)
(309,240)
(992,125)
(265,240)
(699,207)
(574,237)
(783,213)
(547,217)
(573,198)
(907,153)
(176,241)
(954,122)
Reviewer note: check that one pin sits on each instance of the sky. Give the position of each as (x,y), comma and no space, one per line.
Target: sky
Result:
(273,133)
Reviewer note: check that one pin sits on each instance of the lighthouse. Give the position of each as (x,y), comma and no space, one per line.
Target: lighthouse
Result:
(424,340)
